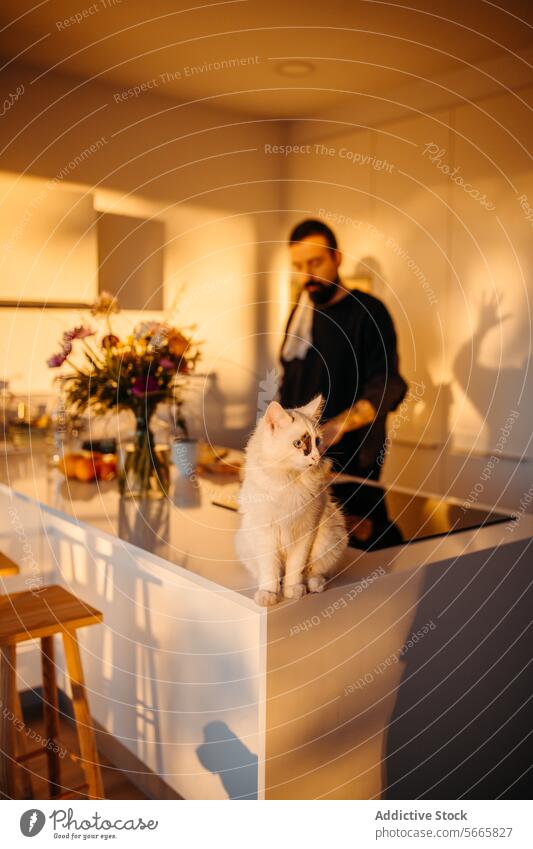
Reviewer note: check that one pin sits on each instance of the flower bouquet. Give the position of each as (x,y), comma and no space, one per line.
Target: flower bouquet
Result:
(136,373)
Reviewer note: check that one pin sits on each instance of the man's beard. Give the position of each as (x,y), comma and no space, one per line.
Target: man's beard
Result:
(323,293)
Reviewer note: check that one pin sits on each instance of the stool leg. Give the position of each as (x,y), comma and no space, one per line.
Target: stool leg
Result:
(89,755)
(51,714)
(24,772)
(7,721)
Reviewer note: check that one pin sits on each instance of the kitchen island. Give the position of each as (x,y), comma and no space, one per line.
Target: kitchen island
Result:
(357,692)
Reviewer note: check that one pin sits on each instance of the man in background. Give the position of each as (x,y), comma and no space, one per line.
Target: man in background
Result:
(340,343)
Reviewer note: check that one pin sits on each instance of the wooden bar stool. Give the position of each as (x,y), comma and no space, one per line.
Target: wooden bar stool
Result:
(7,566)
(39,615)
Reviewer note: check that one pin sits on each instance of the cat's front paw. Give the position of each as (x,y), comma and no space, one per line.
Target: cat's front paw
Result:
(316,583)
(294,591)
(264,598)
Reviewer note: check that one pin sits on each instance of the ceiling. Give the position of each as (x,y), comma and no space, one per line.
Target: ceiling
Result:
(369,46)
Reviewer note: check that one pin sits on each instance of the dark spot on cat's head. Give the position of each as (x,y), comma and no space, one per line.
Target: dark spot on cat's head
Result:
(305,442)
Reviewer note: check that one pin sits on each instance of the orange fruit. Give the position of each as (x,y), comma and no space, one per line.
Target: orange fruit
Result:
(106,467)
(85,469)
(67,464)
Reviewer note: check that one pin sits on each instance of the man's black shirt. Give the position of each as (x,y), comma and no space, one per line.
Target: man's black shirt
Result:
(353,356)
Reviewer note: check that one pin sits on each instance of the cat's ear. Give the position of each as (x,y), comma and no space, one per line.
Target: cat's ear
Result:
(313,410)
(276,416)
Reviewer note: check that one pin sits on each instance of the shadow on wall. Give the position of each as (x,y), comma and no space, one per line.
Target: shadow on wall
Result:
(428,402)
(223,754)
(462,720)
(495,392)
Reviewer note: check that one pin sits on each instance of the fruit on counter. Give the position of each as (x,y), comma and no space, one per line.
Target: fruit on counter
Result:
(88,466)
(85,469)
(67,464)
(106,467)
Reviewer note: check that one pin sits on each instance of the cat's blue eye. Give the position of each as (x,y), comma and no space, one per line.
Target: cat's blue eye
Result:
(298,443)
(318,441)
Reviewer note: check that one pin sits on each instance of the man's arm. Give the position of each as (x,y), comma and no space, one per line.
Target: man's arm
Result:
(361,414)
(382,387)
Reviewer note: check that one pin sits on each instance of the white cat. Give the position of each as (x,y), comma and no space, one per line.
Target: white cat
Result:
(291,528)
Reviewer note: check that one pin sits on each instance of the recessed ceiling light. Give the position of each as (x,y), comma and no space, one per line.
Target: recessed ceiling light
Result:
(295,68)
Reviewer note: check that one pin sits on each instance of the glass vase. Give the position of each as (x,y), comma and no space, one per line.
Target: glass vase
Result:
(144,466)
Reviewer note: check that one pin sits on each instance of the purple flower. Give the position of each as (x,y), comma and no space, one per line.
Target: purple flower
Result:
(143,385)
(57,360)
(77,333)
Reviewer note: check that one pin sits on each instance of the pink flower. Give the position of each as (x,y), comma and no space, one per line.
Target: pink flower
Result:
(57,360)
(167,363)
(77,333)
(143,385)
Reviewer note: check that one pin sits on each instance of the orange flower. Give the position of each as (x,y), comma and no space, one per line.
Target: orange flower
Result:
(177,343)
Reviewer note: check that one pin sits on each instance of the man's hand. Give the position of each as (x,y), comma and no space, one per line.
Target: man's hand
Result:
(361,414)
(331,433)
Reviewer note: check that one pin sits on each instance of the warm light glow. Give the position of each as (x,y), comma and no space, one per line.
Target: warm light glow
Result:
(295,68)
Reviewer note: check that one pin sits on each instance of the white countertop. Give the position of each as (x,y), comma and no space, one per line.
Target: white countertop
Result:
(188,530)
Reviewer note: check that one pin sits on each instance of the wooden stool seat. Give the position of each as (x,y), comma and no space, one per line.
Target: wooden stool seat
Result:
(7,566)
(33,615)
(41,613)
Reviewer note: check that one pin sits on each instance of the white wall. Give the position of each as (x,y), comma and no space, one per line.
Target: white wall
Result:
(440,258)
(202,173)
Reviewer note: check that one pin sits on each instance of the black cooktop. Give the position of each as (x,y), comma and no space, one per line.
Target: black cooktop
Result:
(381,518)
